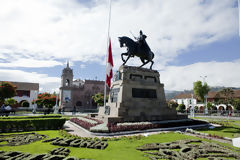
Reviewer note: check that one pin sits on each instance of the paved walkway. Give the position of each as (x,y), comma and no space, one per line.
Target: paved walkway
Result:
(76,130)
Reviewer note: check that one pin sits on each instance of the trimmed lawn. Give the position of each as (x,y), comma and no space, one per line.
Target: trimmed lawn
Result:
(230,128)
(125,148)
(116,150)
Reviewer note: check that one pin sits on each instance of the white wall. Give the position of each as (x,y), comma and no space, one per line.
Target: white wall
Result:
(33,96)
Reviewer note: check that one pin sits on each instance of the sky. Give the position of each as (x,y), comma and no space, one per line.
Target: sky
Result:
(190,39)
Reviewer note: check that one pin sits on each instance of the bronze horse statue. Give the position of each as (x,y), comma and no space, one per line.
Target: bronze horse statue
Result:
(136,49)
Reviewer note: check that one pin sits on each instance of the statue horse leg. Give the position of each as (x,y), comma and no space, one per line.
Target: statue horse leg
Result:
(143,61)
(125,54)
(151,65)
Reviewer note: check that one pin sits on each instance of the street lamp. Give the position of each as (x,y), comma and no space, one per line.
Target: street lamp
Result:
(204,78)
(205,96)
(192,110)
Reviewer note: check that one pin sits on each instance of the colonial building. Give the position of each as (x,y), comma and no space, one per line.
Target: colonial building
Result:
(188,99)
(26,92)
(78,93)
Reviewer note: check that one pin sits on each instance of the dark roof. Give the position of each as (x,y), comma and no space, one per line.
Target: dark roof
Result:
(25,85)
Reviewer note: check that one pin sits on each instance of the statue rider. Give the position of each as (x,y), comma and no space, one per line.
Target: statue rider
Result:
(141,39)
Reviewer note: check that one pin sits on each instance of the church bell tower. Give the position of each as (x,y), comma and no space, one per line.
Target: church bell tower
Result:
(66,88)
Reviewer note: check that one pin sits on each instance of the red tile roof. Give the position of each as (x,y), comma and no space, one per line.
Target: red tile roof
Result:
(210,95)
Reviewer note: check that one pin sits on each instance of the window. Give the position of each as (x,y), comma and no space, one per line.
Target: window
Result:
(135,77)
(67,82)
(150,79)
(144,93)
(21,93)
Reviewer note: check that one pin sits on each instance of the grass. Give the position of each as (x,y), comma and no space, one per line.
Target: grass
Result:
(230,128)
(125,148)
(117,150)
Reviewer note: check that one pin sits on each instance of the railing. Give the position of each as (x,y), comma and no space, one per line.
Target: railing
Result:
(232,113)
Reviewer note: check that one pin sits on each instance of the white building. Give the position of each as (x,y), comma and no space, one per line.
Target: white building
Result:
(26,92)
(188,100)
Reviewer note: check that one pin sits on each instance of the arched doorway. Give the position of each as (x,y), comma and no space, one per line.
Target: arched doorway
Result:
(229,108)
(201,109)
(24,103)
(221,108)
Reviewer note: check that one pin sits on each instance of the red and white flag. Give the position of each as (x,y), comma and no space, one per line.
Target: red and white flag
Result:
(109,65)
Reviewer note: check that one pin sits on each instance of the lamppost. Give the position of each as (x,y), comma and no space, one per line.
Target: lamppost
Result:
(206,109)
(204,78)
(205,96)
(192,108)
(56,105)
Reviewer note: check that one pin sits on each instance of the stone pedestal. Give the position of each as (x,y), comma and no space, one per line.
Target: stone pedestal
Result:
(137,95)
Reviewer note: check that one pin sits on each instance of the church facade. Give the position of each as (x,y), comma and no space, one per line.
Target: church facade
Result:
(78,93)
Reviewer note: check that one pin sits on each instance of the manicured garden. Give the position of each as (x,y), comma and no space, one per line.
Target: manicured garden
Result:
(228,128)
(59,144)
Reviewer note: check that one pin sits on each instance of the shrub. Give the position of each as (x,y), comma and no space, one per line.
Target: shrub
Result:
(181,108)
(11,125)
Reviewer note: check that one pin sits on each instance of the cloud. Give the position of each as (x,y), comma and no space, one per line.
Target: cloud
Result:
(82,66)
(47,84)
(30,63)
(60,29)
(173,77)
(218,74)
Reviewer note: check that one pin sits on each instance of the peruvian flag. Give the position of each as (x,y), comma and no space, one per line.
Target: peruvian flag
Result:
(109,65)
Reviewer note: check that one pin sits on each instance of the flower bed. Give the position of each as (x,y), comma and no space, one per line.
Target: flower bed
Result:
(20,139)
(55,154)
(85,122)
(187,149)
(144,126)
(76,142)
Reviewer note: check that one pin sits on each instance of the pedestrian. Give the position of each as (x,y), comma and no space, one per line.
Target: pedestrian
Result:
(2,109)
(74,110)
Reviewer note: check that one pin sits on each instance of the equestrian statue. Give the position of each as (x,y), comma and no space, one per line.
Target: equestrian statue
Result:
(137,48)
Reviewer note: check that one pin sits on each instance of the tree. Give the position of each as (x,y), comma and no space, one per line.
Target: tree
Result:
(172,104)
(181,108)
(236,104)
(99,99)
(211,106)
(228,94)
(10,101)
(200,90)
(7,90)
(46,99)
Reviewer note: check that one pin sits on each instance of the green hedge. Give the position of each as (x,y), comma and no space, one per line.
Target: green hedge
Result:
(33,117)
(31,124)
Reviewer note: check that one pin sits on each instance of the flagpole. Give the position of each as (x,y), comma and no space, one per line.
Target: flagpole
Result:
(109,20)
(239,17)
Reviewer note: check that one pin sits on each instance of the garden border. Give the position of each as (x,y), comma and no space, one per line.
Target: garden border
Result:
(138,131)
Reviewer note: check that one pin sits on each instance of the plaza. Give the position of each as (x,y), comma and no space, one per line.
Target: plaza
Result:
(119,80)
